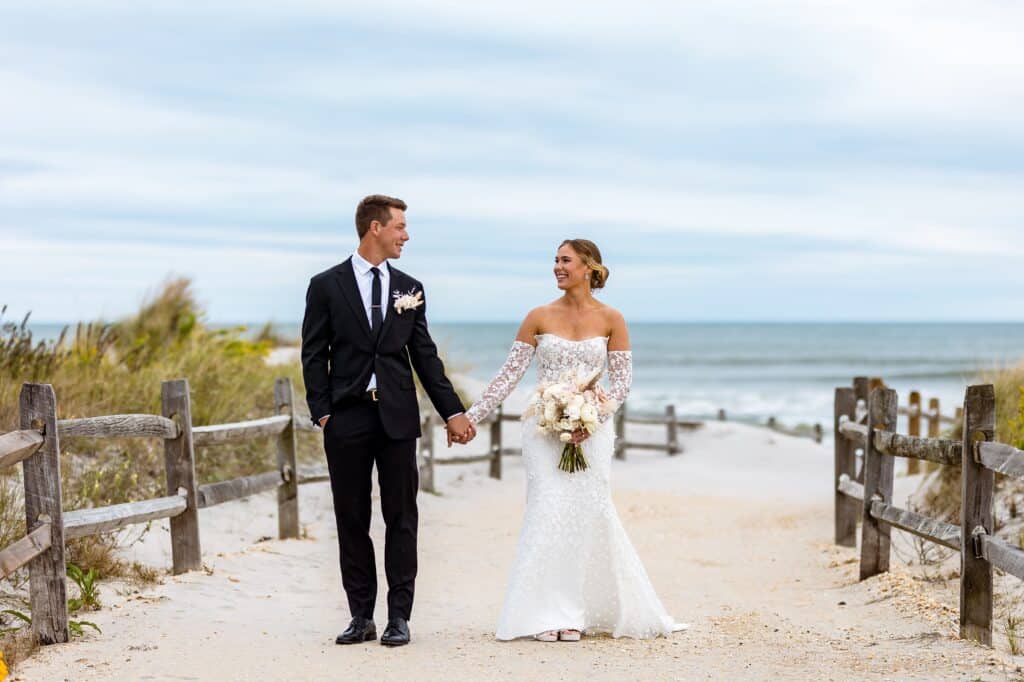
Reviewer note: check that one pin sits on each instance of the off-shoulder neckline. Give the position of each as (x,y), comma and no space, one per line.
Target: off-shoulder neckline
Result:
(557,336)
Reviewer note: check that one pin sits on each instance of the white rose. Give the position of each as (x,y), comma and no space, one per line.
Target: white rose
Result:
(565,437)
(588,413)
(554,391)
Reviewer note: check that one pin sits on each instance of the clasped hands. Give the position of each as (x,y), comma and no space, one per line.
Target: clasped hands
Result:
(460,430)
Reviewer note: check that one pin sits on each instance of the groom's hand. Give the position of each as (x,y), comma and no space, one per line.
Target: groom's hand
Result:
(460,430)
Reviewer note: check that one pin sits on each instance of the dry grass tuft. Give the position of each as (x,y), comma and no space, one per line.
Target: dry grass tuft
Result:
(17,646)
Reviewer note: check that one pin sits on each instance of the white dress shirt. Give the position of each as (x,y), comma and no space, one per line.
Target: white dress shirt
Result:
(364,279)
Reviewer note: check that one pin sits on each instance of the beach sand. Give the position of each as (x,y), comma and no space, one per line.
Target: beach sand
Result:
(735,534)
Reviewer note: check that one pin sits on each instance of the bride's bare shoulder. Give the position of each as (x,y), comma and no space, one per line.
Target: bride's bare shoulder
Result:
(612,316)
(532,325)
(618,332)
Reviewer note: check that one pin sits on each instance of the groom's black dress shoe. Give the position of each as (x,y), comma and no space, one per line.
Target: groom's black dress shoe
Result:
(359,630)
(396,633)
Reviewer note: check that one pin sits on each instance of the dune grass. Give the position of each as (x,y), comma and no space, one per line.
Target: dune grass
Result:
(940,492)
(101,368)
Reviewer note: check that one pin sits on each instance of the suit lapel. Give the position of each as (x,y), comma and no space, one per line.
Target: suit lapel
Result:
(350,290)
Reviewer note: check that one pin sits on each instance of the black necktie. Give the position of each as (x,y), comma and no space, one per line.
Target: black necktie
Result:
(376,314)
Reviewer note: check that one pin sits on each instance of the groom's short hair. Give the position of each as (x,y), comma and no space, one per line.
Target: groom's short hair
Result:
(375,207)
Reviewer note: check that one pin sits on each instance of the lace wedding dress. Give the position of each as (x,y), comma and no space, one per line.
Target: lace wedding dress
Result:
(575,568)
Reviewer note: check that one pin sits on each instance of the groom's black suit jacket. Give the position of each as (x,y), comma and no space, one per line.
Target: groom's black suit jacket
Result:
(340,352)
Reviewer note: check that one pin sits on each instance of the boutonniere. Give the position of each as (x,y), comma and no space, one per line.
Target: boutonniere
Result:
(409,301)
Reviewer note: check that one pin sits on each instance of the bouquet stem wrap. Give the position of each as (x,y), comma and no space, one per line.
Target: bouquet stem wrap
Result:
(572,458)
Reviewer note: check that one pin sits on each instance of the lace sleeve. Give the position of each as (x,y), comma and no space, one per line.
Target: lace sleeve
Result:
(620,378)
(510,374)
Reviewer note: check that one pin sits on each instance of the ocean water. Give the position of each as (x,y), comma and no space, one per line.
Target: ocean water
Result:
(789,371)
(758,370)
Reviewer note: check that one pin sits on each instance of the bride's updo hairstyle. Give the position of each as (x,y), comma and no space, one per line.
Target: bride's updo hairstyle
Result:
(591,256)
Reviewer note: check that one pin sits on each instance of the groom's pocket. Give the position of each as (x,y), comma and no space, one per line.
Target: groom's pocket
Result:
(406,385)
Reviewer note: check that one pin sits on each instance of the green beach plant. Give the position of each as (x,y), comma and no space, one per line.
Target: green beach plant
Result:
(88,590)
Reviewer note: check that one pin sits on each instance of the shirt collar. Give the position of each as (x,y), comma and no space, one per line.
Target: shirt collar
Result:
(362,266)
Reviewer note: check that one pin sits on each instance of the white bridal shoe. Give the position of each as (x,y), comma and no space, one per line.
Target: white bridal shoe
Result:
(548,636)
(569,635)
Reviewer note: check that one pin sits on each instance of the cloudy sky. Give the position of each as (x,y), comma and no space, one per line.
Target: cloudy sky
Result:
(734,160)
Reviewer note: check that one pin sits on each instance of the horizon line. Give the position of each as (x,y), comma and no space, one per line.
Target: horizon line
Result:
(236,323)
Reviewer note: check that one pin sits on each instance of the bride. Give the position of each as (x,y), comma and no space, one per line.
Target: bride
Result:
(575,569)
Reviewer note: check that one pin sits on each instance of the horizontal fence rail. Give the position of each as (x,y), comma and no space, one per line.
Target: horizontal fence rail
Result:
(83,522)
(119,426)
(851,489)
(25,550)
(934,450)
(220,434)
(943,533)
(212,494)
(18,445)
(1001,458)
(977,456)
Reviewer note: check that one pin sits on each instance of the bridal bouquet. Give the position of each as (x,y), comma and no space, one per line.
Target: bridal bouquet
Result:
(573,402)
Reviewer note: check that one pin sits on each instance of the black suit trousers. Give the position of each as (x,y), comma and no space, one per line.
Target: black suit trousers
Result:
(355,441)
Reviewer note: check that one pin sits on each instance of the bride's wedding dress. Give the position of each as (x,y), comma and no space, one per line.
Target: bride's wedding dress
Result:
(575,568)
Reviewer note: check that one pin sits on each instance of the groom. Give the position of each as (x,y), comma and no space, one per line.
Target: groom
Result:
(365,323)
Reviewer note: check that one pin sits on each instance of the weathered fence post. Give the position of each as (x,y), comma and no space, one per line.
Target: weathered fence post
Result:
(288,491)
(914,429)
(846,508)
(496,443)
(976,484)
(46,573)
(426,454)
(933,418)
(620,432)
(860,392)
(672,427)
(878,474)
(179,460)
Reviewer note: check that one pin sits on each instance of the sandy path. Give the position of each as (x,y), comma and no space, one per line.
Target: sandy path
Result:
(753,573)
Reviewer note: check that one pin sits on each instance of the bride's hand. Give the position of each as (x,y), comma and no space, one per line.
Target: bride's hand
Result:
(579,435)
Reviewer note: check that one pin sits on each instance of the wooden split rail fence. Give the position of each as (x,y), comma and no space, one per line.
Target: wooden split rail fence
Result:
(37,446)
(496,450)
(871,500)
